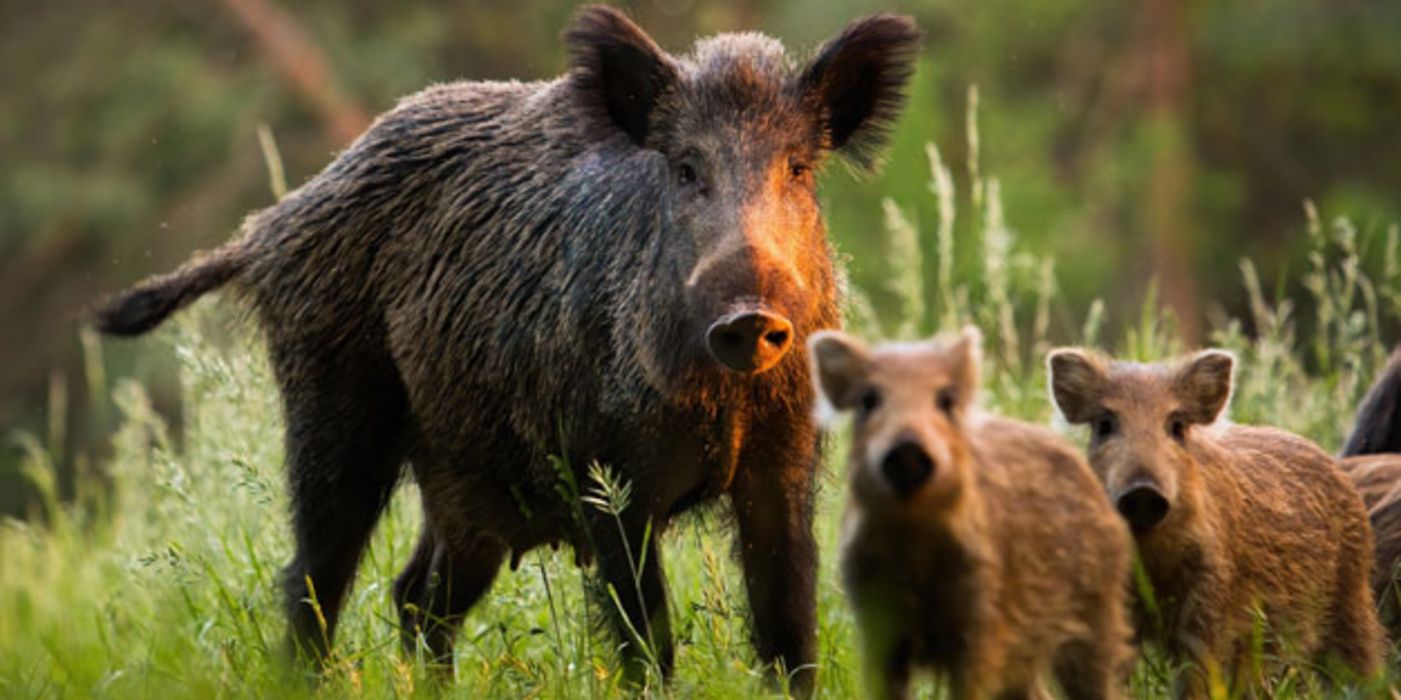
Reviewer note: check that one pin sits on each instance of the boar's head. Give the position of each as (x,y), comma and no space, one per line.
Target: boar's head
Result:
(738,132)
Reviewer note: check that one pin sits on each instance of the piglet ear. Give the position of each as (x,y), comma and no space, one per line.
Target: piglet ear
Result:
(1203,384)
(619,73)
(1077,381)
(857,83)
(967,356)
(839,366)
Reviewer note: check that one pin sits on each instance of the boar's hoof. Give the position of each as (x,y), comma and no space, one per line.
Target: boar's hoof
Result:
(906,467)
(1142,505)
(750,341)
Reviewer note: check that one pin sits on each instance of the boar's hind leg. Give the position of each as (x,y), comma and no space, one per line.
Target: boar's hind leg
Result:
(345,420)
(410,589)
(629,561)
(439,586)
(772,501)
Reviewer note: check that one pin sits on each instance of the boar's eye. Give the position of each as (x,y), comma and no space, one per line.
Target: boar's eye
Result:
(1105,426)
(1177,427)
(946,400)
(685,174)
(870,401)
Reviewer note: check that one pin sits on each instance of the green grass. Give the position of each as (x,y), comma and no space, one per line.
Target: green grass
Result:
(160,578)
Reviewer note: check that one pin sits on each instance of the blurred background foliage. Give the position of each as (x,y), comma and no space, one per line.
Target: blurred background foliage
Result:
(1152,139)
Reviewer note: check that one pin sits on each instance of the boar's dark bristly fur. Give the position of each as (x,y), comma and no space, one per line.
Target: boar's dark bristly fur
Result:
(500,272)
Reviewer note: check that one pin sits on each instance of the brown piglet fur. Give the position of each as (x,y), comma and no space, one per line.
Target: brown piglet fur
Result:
(1235,525)
(975,546)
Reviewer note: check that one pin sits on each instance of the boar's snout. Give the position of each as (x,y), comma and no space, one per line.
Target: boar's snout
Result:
(906,467)
(1142,504)
(750,341)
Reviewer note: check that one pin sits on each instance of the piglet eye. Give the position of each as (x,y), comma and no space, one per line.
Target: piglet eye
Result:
(946,400)
(1105,426)
(798,170)
(1178,428)
(870,401)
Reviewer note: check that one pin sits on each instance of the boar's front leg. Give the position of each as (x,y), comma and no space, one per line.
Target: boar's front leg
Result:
(629,561)
(772,497)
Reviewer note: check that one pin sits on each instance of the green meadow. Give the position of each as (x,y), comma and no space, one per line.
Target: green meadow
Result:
(156,574)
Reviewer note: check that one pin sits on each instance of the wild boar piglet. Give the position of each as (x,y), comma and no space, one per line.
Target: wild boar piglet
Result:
(978,547)
(1235,525)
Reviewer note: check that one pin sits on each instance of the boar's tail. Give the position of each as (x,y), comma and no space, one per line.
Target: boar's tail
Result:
(1377,428)
(143,307)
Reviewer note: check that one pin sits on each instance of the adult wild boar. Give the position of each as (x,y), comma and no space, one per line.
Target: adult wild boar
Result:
(619,265)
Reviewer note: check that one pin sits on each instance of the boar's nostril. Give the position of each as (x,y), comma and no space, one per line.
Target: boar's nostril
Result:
(907,466)
(1143,506)
(750,341)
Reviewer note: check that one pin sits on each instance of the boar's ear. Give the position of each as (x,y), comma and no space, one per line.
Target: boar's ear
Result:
(618,71)
(1077,383)
(857,83)
(1203,384)
(966,355)
(839,364)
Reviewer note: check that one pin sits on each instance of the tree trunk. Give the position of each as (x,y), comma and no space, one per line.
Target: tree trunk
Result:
(1166,41)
